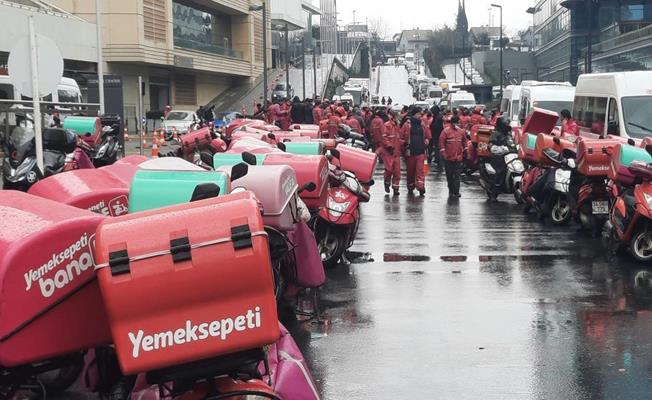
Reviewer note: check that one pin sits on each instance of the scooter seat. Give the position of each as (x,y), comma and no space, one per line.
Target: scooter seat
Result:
(553,155)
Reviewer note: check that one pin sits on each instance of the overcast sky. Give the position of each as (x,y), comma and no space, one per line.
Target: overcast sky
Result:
(428,14)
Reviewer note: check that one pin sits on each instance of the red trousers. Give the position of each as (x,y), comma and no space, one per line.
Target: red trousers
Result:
(416,179)
(392,164)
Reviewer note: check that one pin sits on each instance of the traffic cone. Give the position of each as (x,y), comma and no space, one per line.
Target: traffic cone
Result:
(126,135)
(162,140)
(175,136)
(154,150)
(154,137)
(144,142)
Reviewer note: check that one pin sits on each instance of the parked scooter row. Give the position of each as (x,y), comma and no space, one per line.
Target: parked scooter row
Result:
(603,184)
(288,188)
(73,147)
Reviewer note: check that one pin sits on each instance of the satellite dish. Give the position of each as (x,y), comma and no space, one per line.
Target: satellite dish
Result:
(339,91)
(50,66)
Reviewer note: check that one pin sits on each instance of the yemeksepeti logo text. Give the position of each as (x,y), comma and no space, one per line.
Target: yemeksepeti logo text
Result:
(193,332)
(70,263)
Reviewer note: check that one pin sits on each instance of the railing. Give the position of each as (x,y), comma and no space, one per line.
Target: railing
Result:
(207,47)
(623,39)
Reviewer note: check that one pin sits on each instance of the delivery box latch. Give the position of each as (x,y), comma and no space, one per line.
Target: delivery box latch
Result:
(241,237)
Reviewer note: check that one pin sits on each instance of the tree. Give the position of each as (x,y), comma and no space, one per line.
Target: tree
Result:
(379,27)
(482,39)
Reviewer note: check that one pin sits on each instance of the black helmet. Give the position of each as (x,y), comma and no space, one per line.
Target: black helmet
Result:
(503,124)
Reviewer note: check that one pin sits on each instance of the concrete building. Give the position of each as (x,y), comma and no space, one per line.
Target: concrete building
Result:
(74,36)
(186,52)
(328,26)
(619,33)
(414,41)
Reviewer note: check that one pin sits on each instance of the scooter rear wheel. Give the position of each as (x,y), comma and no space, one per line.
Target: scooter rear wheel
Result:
(331,241)
(641,245)
(560,212)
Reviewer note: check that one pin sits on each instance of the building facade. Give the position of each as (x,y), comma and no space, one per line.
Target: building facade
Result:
(186,52)
(328,26)
(414,41)
(619,33)
(74,36)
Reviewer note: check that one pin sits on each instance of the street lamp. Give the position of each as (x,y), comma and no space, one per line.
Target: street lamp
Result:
(263,7)
(532,10)
(501,47)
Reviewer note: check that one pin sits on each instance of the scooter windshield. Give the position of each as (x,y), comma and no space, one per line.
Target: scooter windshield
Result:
(21,141)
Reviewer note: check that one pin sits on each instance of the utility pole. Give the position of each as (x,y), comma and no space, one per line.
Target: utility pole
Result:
(100,66)
(501,48)
(263,7)
(303,64)
(287,60)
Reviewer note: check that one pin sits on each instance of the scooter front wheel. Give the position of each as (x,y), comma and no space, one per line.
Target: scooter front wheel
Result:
(560,212)
(331,241)
(641,245)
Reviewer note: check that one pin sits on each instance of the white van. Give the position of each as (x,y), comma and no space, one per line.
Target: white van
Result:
(510,102)
(461,98)
(553,97)
(617,103)
(435,94)
(67,91)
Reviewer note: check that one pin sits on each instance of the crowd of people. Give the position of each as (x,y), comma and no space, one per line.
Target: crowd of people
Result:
(434,136)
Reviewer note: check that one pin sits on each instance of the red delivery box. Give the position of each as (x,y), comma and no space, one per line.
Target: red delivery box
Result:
(308,169)
(188,282)
(362,163)
(92,189)
(545,141)
(594,156)
(50,304)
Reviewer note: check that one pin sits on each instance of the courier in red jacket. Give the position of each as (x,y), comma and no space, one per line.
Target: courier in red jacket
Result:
(416,141)
(452,144)
(477,118)
(376,129)
(568,124)
(391,154)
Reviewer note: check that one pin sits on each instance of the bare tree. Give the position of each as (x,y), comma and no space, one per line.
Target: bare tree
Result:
(379,27)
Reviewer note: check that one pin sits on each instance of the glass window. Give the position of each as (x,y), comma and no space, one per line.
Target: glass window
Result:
(202,30)
(515,109)
(68,96)
(6,92)
(504,104)
(637,116)
(555,106)
(177,115)
(613,126)
(591,113)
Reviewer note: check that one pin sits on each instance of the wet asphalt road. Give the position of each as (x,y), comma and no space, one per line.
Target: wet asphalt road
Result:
(466,299)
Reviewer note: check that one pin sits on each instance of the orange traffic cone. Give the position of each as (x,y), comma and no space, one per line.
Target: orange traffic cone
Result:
(126,135)
(175,136)
(154,150)
(144,139)
(154,137)
(162,136)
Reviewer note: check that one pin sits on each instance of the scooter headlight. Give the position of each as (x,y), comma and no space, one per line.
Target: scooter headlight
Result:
(337,209)
(648,199)
(102,151)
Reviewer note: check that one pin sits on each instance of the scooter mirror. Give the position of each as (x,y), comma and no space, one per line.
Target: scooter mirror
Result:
(205,191)
(568,153)
(335,153)
(206,157)
(282,146)
(631,142)
(556,140)
(271,136)
(249,158)
(238,171)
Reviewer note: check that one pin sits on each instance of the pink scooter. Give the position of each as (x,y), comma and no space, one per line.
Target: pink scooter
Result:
(337,224)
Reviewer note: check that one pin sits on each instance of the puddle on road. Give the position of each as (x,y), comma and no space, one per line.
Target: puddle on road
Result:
(395,257)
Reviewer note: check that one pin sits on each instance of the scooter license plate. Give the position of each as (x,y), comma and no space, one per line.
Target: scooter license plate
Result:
(600,207)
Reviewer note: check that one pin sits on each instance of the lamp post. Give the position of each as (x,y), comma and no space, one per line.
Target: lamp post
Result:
(263,7)
(501,47)
(532,10)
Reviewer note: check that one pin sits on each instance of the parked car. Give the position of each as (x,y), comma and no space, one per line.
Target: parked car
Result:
(179,120)
(280,92)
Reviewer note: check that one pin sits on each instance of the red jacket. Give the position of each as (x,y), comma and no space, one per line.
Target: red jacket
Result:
(425,122)
(333,123)
(465,122)
(317,114)
(570,127)
(452,143)
(405,133)
(392,137)
(323,128)
(477,119)
(354,124)
(377,129)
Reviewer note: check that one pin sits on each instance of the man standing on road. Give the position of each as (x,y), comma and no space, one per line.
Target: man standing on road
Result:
(452,144)
(436,127)
(391,154)
(416,143)
(376,131)
(317,112)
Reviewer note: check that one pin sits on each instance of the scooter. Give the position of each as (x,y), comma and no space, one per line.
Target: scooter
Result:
(511,182)
(336,225)
(553,199)
(109,149)
(20,170)
(590,202)
(630,220)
